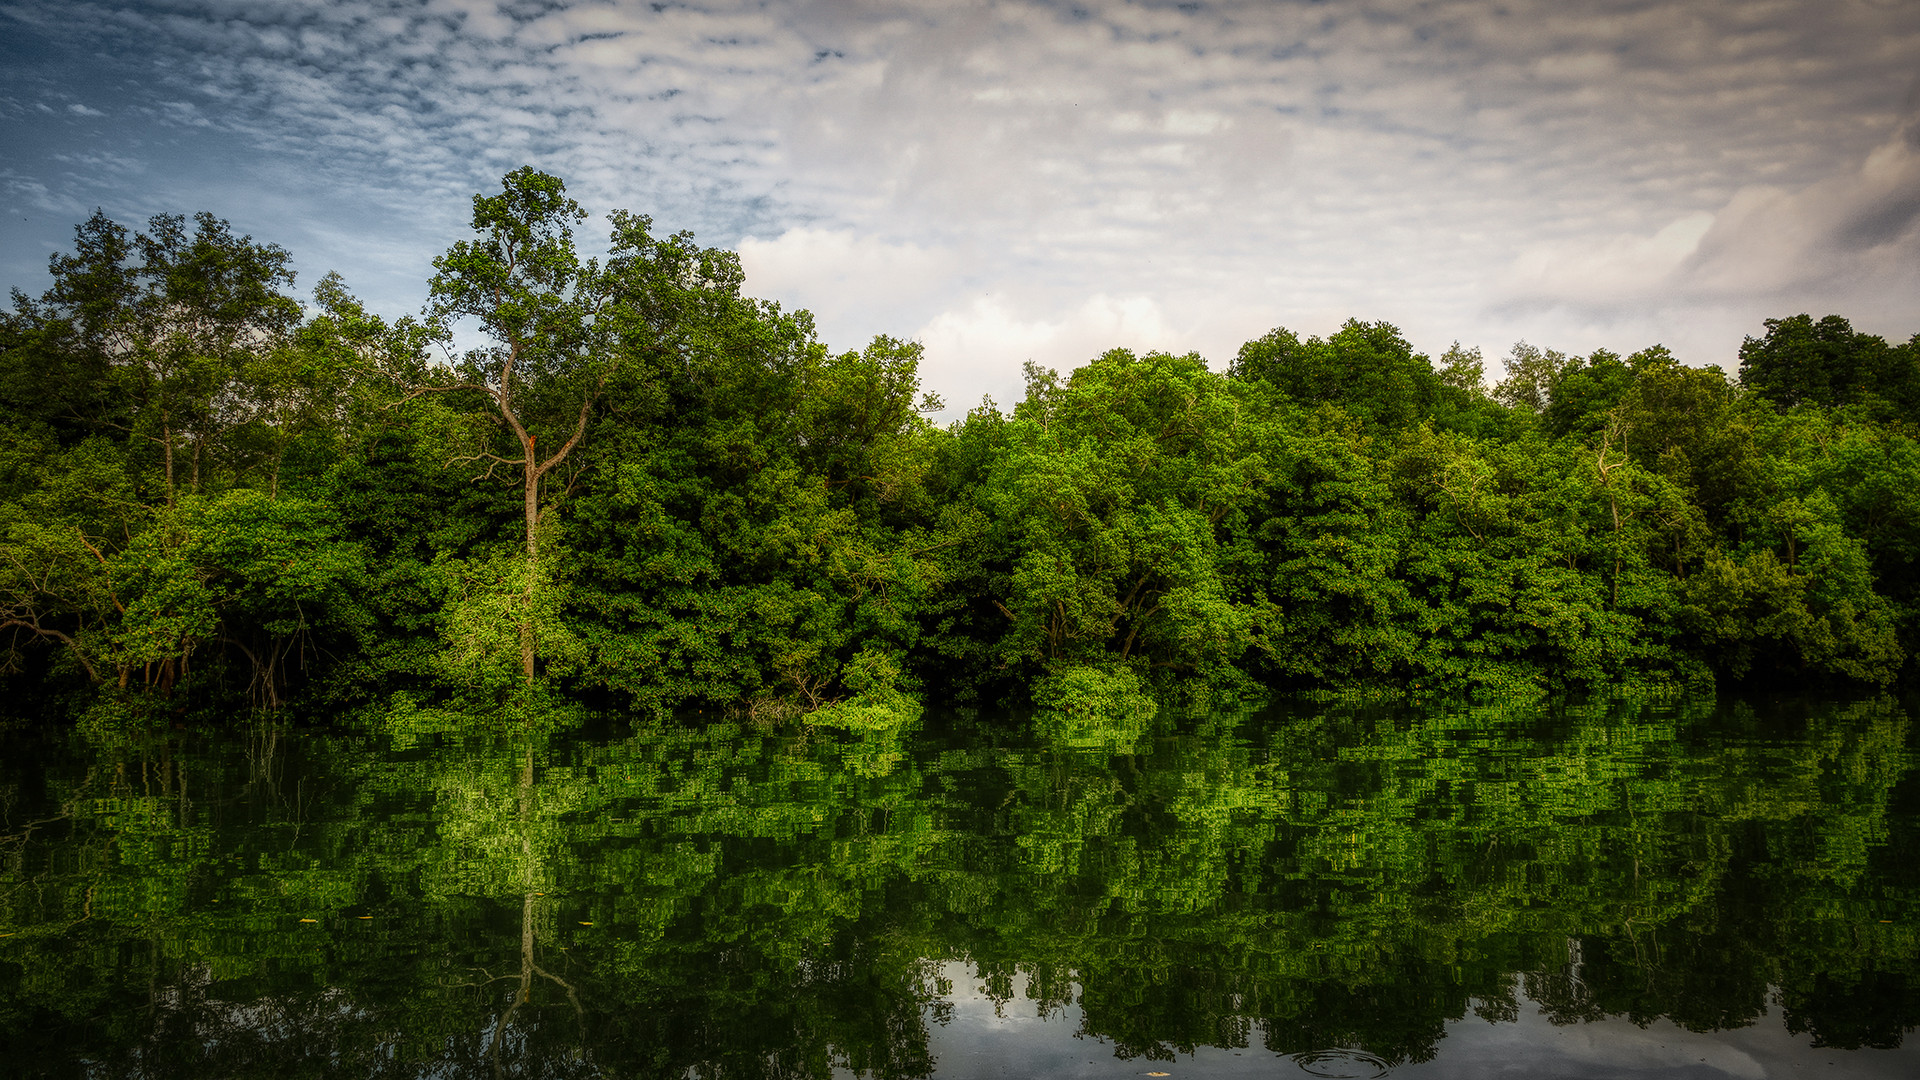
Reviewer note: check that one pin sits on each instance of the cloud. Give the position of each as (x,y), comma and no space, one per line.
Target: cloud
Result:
(1855,226)
(838,273)
(36,194)
(78,109)
(1609,271)
(1015,177)
(982,346)
(1851,238)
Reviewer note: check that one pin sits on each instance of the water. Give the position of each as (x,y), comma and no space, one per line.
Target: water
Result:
(1623,891)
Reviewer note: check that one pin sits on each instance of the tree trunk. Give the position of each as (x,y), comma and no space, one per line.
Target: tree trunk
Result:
(166,452)
(532,474)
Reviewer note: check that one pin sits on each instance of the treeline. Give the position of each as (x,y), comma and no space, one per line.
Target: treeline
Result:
(650,490)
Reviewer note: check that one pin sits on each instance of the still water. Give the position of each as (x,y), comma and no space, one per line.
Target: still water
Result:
(1630,890)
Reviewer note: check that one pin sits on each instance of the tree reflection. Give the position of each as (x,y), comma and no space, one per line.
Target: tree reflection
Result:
(730,900)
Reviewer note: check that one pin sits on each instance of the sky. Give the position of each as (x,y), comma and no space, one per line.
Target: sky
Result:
(1006,181)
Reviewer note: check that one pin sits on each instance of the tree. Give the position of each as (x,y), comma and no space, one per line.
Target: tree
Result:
(147,335)
(1463,370)
(1802,362)
(1368,369)
(1803,606)
(1532,373)
(1333,535)
(556,344)
(149,359)
(1109,510)
(1583,395)
(568,332)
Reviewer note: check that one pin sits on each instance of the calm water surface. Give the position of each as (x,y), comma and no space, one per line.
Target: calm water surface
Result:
(1631,890)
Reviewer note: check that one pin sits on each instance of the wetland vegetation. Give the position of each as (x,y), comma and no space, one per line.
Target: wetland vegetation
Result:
(643,490)
(652,690)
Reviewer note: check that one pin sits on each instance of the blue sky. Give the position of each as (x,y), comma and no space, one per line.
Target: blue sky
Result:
(1006,181)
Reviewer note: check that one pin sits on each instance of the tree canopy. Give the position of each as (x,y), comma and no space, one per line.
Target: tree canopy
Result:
(647,489)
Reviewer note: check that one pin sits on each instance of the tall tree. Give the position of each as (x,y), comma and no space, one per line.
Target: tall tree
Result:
(565,332)
(527,287)
(1532,373)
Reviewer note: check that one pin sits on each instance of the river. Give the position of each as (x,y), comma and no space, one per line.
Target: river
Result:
(1629,889)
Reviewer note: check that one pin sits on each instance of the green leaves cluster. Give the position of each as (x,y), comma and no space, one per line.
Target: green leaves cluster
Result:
(648,489)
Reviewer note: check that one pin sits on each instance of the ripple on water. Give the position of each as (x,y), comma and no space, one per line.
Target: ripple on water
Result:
(1341,1064)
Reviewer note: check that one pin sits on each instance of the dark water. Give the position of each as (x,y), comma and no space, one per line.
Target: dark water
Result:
(1620,891)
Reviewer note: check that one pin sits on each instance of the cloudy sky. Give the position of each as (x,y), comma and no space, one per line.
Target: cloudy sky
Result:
(1015,180)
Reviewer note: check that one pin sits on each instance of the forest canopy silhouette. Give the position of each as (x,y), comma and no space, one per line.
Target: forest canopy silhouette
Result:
(651,491)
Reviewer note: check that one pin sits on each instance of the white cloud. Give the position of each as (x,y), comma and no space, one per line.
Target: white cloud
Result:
(1607,271)
(1856,226)
(1847,242)
(979,349)
(1010,179)
(36,194)
(840,274)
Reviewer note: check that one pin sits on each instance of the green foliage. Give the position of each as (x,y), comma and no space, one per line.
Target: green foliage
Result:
(1811,611)
(1585,393)
(492,601)
(1532,375)
(648,490)
(1093,706)
(1828,363)
(461,895)
(1111,505)
(1366,368)
(877,704)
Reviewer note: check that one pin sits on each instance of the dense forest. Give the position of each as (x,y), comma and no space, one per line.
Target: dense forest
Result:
(650,491)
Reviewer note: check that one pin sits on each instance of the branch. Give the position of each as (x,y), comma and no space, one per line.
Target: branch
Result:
(45,631)
(1127,649)
(567,986)
(579,432)
(493,461)
(416,391)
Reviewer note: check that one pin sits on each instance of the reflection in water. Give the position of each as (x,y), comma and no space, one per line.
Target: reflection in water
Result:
(1339,892)
(529,874)
(1341,1064)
